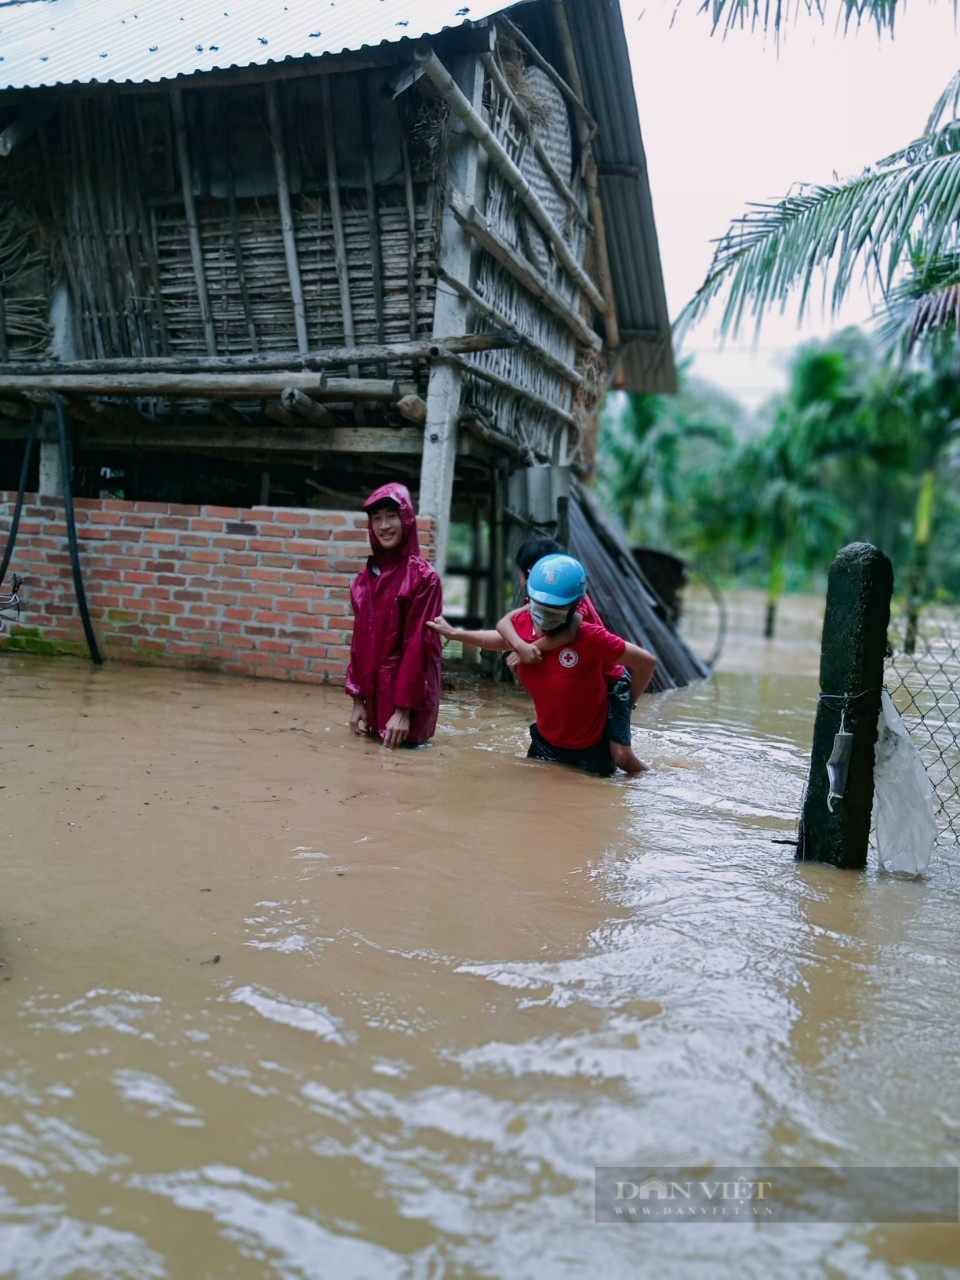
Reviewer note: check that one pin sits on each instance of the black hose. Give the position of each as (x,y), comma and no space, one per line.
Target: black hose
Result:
(15,522)
(72,532)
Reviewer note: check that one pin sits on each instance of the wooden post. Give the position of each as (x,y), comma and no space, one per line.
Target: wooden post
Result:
(275,123)
(851,677)
(450,316)
(193,222)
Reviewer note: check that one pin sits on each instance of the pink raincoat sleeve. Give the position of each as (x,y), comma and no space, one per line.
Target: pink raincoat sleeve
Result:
(350,685)
(421,646)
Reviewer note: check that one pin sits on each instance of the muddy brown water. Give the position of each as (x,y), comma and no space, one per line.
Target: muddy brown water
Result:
(278,1003)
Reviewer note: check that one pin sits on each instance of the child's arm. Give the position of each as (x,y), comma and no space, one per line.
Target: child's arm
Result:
(524,650)
(543,644)
(642,665)
(478,639)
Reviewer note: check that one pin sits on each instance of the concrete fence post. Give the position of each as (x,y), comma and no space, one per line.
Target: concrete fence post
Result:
(852,652)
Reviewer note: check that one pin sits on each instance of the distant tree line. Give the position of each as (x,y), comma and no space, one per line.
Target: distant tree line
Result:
(858,448)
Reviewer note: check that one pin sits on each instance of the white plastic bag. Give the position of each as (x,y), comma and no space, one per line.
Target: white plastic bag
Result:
(902,799)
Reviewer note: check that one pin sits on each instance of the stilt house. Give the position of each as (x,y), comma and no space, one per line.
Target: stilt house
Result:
(258,256)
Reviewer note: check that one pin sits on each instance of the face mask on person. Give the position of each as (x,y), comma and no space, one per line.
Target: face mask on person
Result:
(549,617)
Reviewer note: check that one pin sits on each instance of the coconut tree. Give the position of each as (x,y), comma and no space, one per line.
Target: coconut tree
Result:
(648,447)
(869,226)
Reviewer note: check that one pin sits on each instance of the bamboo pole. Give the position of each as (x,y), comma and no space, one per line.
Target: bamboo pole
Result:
(610,320)
(232,386)
(279,414)
(474,223)
(411,206)
(549,168)
(303,406)
(500,441)
(413,408)
(226,415)
(222,386)
(387,389)
(190,213)
(286,214)
(545,357)
(425,349)
(450,92)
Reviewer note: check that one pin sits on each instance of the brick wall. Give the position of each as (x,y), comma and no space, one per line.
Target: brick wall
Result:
(261,591)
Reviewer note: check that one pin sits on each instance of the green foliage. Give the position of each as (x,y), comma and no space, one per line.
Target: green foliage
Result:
(837,458)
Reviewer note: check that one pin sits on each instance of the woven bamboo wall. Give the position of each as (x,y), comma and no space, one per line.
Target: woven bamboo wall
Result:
(117,207)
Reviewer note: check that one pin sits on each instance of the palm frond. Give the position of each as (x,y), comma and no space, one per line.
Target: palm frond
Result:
(863,225)
(776,14)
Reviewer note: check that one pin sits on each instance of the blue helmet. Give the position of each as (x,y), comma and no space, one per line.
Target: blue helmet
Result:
(557,580)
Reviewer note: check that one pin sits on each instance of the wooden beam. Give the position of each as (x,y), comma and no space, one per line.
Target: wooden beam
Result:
(296,402)
(443,82)
(217,386)
(293,361)
(474,223)
(279,439)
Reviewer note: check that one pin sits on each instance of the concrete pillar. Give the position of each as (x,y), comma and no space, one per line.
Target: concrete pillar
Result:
(852,654)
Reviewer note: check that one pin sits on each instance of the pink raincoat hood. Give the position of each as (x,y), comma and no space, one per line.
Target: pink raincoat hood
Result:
(410,545)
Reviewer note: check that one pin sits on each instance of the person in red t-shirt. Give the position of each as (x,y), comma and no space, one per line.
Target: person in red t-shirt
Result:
(620,699)
(567,685)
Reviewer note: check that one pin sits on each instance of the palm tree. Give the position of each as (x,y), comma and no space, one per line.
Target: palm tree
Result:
(899,217)
(649,445)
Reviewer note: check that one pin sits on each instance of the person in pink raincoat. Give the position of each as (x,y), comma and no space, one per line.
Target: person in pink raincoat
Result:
(394,671)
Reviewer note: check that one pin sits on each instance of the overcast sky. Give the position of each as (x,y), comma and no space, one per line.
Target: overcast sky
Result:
(727,121)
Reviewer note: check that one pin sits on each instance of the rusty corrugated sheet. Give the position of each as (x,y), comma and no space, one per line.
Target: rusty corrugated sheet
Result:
(55,42)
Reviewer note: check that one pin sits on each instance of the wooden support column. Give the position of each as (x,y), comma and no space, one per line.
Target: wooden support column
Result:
(854,643)
(450,316)
(286,215)
(193,222)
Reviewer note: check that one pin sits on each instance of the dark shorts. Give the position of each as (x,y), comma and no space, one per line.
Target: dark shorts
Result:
(595,759)
(618,710)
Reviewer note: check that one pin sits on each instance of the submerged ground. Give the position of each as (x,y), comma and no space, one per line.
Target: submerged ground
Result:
(277,1003)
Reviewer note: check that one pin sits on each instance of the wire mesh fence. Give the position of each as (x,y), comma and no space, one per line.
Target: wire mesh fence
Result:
(925,687)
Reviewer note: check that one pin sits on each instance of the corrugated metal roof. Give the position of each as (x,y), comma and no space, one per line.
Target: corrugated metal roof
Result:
(51,42)
(604,63)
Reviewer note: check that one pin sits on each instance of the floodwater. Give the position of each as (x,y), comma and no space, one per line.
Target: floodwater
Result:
(278,1003)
